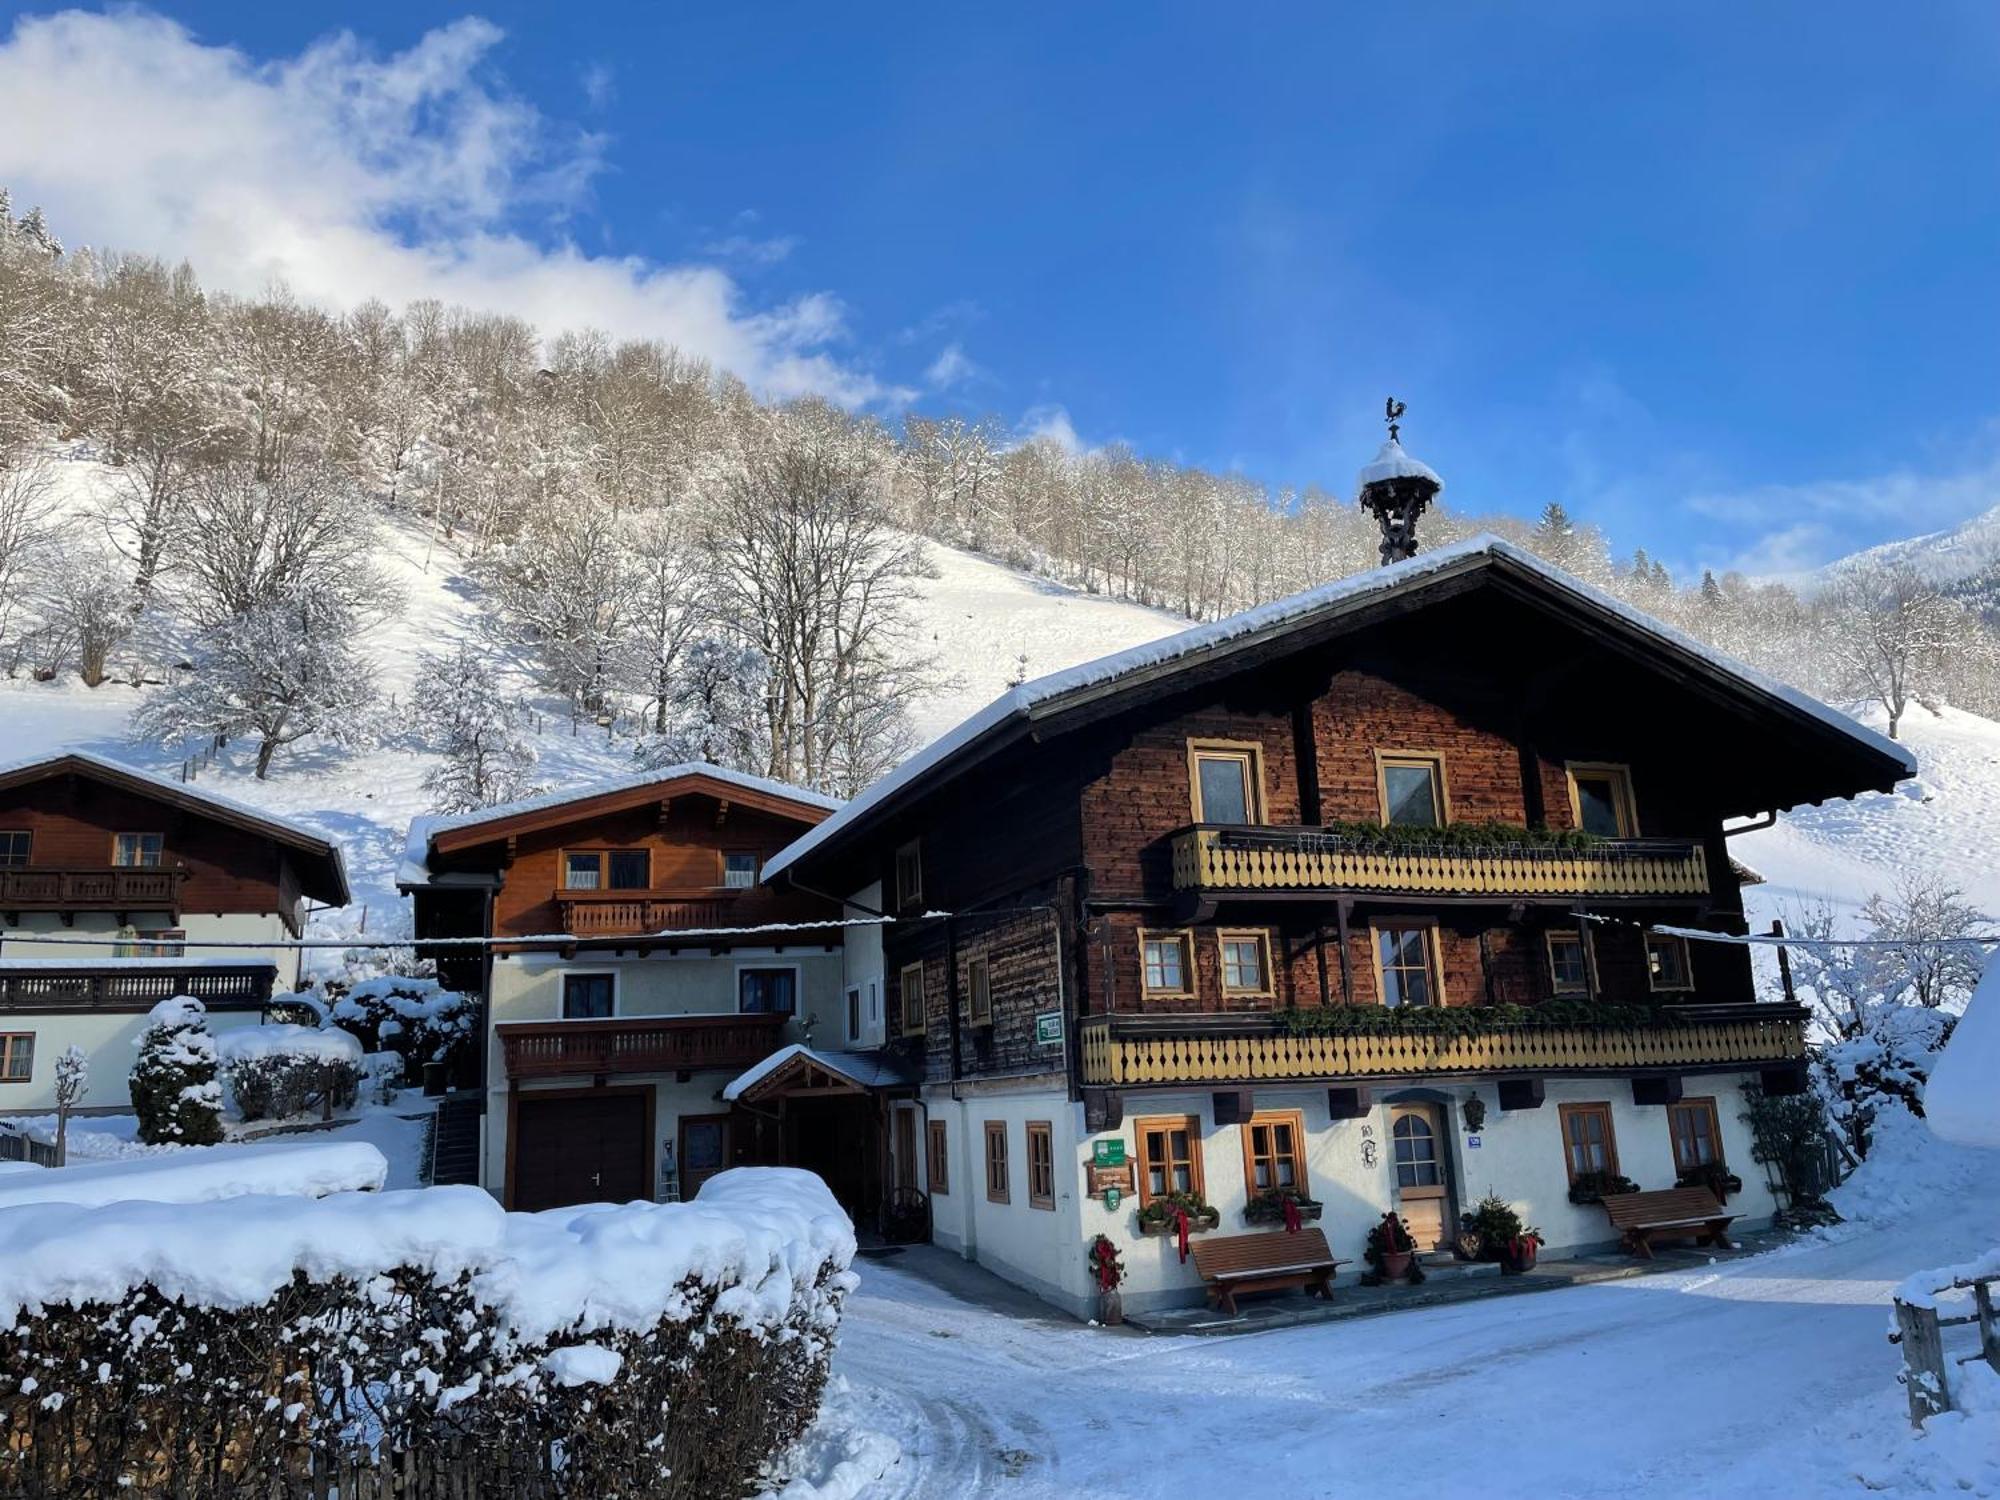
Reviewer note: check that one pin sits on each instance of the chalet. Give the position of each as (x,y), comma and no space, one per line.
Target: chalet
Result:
(1352,896)
(119,889)
(640,966)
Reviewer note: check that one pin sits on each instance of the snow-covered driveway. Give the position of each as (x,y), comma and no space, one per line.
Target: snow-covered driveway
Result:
(1737,1379)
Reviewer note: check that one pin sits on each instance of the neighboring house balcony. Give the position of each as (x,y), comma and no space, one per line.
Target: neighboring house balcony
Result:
(1138,1051)
(1213,861)
(648,1044)
(132,984)
(638,913)
(111,888)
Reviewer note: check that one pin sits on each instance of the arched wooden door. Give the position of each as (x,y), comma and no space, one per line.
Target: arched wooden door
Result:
(1423,1173)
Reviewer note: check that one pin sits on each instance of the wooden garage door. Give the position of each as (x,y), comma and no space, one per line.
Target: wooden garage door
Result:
(589,1148)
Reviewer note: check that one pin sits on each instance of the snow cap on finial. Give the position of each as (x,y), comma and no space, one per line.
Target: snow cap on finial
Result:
(1396,488)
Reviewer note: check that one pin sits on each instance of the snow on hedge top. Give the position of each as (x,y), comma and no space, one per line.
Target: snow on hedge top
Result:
(764,1235)
(1962,1099)
(321,1044)
(304,1169)
(413,999)
(1044,694)
(1391,462)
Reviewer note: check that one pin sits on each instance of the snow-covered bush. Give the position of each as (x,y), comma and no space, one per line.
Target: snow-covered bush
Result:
(280,1072)
(1888,1056)
(419,1019)
(174,1089)
(233,1348)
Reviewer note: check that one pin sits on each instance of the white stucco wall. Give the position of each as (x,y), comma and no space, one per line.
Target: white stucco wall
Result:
(863,962)
(109,1041)
(95,936)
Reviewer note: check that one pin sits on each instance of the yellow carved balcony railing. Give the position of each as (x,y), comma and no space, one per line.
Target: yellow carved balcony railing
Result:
(1138,1051)
(1249,860)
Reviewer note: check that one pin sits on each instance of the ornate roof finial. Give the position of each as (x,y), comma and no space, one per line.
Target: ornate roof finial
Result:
(1396,489)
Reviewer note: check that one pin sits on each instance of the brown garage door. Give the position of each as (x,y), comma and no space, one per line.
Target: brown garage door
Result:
(589,1148)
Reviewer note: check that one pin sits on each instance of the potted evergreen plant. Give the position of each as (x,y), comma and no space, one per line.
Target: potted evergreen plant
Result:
(1518,1254)
(1107,1270)
(1392,1251)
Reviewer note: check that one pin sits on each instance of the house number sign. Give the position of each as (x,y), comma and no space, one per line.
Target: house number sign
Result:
(1367,1145)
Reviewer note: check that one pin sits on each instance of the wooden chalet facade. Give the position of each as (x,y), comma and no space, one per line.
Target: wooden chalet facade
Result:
(119,889)
(641,965)
(1211,901)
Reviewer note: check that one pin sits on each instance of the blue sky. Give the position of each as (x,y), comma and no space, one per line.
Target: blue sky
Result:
(1719,278)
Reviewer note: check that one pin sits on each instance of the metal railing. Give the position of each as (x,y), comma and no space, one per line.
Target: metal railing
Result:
(84,986)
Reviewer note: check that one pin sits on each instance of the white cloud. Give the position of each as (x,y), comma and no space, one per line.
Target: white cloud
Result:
(600,85)
(349,175)
(950,368)
(1053,423)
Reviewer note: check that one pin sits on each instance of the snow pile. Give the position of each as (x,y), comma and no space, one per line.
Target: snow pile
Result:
(293,1169)
(1908,1171)
(1953,1453)
(582,1364)
(1962,1100)
(261,1043)
(841,1458)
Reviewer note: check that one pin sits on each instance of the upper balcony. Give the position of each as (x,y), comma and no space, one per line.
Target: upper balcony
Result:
(1231,860)
(637,1044)
(127,985)
(110,888)
(1128,1051)
(640,913)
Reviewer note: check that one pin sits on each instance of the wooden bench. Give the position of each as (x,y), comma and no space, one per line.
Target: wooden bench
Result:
(1264,1263)
(1695,1211)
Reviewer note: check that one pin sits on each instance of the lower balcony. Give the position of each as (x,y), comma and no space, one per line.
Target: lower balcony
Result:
(1133,1051)
(657,1044)
(131,984)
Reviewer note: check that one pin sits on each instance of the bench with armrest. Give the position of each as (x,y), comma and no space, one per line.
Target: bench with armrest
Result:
(1278,1261)
(1669,1213)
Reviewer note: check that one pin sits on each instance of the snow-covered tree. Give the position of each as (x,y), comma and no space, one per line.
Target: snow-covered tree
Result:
(283,671)
(1891,633)
(460,710)
(714,710)
(175,1091)
(27,530)
(565,590)
(72,1083)
(81,593)
(1927,923)
(668,606)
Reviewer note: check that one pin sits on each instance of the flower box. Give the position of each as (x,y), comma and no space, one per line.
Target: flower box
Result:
(1198,1222)
(1271,1213)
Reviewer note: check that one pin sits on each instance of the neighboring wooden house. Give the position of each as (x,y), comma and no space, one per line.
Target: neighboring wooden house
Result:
(113,885)
(641,966)
(1204,901)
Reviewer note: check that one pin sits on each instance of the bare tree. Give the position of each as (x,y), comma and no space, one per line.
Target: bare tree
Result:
(80,593)
(72,1082)
(1890,635)
(27,526)
(1928,923)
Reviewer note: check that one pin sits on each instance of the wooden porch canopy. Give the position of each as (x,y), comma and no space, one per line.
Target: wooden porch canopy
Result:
(799,1072)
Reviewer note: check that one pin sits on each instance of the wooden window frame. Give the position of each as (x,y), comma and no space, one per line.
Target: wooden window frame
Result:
(1434,759)
(1706,1104)
(1686,987)
(602,854)
(1566,1112)
(904,1028)
(1250,752)
(10,1044)
(1042,1169)
(1261,936)
(750,966)
(1185,937)
(1296,1118)
(912,894)
(937,1159)
(979,990)
(27,853)
(1147,1123)
(1627,802)
(723,856)
(128,833)
(1555,935)
(1433,952)
(996,1156)
(562,992)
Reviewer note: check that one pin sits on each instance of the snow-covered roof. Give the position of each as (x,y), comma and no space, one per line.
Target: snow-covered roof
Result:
(285,829)
(1047,695)
(1391,462)
(31,965)
(865,1069)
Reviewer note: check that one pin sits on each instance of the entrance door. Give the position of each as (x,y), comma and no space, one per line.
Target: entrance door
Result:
(704,1150)
(1423,1189)
(906,1149)
(581,1148)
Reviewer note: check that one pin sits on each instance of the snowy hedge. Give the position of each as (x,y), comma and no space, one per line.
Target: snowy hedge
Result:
(279,1072)
(231,1348)
(419,1019)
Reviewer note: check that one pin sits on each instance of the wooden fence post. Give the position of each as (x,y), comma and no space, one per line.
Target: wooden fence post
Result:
(1924,1379)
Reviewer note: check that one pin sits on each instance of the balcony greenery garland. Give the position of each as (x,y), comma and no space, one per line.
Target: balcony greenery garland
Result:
(1468,837)
(1464,1020)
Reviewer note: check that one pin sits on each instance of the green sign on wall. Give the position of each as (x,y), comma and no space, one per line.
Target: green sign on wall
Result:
(1048,1028)
(1108,1153)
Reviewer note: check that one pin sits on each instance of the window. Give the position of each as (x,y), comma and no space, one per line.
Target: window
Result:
(1227,779)
(1041,1165)
(1246,963)
(767,992)
(141,850)
(1416,1147)
(979,990)
(739,869)
(1568,971)
(909,874)
(937,1160)
(165,942)
(1667,962)
(1167,959)
(17,1056)
(1169,1158)
(629,869)
(1601,798)
(1588,1145)
(853,1013)
(1412,789)
(14,846)
(607,870)
(1406,959)
(1697,1135)
(996,1161)
(1274,1151)
(588,997)
(912,987)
